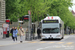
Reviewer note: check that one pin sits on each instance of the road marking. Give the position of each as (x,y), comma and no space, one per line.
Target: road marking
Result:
(48,47)
(56,46)
(60,42)
(39,49)
(44,48)
(51,42)
(69,43)
(42,42)
(33,42)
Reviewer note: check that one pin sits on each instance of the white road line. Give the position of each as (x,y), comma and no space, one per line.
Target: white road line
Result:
(39,49)
(44,48)
(57,46)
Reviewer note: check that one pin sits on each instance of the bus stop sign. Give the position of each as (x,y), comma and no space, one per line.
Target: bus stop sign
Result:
(5,26)
(29,12)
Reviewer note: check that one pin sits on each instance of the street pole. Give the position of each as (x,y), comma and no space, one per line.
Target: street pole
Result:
(29,28)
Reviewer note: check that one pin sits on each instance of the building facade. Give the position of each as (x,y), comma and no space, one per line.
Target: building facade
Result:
(2,12)
(73,13)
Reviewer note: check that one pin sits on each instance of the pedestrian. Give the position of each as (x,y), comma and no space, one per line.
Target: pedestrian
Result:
(38,33)
(15,31)
(21,33)
(11,31)
(32,34)
(69,32)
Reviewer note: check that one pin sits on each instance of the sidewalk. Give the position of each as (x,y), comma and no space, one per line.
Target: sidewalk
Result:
(9,41)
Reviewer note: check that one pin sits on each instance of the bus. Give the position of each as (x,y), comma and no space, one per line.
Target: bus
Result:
(52,27)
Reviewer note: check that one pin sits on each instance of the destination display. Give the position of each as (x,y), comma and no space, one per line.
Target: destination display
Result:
(50,21)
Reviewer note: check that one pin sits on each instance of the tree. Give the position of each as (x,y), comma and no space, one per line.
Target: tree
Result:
(39,8)
(12,9)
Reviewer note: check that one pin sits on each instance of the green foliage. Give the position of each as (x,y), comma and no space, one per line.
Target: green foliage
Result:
(11,34)
(39,8)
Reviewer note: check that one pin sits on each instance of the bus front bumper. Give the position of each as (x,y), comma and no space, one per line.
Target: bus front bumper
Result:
(56,37)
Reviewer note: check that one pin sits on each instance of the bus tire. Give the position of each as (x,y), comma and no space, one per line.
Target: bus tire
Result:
(62,38)
(41,39)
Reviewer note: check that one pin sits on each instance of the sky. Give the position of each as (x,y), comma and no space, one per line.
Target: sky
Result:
(73,7)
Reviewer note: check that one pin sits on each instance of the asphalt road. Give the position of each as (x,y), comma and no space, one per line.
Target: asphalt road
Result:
(68,43)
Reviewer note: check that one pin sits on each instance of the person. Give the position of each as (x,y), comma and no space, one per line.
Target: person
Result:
(15,31)
(21,33)
(69,32)
(11,31)
(38,33)
(32,34)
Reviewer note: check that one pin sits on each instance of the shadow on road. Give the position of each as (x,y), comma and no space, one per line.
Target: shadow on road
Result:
(51,40)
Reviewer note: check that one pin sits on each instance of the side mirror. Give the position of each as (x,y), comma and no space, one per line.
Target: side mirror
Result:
(60,25)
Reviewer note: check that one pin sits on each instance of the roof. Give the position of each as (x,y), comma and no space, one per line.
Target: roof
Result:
(73,12)
(52,17)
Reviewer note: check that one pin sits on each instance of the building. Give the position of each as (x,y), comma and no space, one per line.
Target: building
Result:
(2,12)
(73,13)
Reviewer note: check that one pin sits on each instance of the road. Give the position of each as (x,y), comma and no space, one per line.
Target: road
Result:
(68,43)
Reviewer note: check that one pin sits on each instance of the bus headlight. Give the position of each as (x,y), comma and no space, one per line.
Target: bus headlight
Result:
(58,36)
(42,36)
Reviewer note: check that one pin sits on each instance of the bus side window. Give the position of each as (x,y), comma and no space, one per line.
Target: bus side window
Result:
(60,25)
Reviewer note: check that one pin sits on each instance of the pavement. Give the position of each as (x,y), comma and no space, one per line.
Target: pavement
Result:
(9,41)
(68,43)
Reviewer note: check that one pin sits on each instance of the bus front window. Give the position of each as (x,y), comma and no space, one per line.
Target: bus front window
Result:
(51,30)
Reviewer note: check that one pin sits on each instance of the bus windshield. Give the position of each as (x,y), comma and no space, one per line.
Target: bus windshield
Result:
(51,30)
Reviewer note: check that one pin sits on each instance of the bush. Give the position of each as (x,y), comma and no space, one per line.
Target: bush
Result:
(11,34)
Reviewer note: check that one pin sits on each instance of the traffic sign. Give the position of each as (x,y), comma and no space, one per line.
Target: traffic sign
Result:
(5,25)
(7,20)
(4,30)
(29,12)
(26,17)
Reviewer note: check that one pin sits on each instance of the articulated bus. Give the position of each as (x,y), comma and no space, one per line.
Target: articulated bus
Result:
(52,27)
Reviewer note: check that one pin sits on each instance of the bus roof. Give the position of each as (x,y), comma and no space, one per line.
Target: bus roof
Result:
(52,18)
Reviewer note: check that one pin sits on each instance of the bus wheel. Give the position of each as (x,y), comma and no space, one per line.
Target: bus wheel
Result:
(41,39)
(62,38)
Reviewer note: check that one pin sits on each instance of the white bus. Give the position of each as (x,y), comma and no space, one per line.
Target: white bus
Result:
(52,27)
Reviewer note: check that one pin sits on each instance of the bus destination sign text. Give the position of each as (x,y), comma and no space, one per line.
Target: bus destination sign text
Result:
(50,21)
